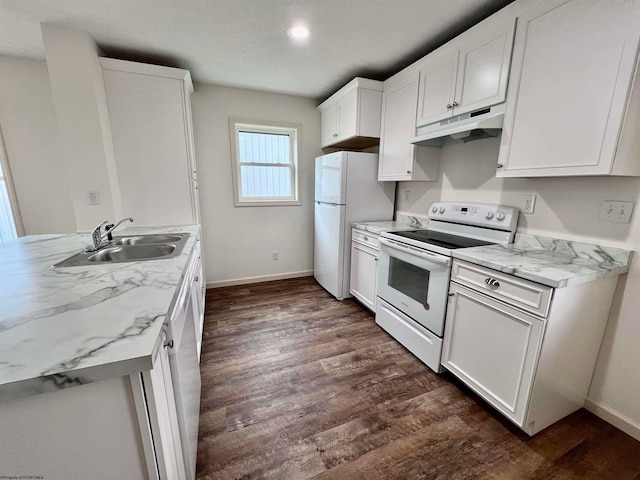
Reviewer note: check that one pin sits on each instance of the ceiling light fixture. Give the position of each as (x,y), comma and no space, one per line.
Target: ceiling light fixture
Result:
(298,32)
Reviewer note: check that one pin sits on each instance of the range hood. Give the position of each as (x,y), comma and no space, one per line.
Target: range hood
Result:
(483,123)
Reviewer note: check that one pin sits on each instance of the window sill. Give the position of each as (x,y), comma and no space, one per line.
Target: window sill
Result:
(268,204)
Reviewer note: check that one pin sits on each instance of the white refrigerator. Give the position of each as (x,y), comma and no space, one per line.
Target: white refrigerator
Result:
(347,191)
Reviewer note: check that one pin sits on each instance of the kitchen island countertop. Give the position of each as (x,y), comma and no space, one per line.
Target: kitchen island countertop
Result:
(61,327)
(549,261)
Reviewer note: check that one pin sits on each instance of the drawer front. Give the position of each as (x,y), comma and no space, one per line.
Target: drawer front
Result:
(419,341)
(366,238)
(529,296)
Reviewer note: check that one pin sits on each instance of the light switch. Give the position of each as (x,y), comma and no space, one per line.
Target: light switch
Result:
(617,212)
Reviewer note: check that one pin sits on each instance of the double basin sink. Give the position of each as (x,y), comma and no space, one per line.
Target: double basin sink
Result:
(131,248)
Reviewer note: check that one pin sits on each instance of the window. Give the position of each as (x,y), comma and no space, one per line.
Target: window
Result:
(265,163)
(7,223)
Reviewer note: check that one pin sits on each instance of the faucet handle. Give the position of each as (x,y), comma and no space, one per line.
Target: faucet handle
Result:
(99,227)
(107,231)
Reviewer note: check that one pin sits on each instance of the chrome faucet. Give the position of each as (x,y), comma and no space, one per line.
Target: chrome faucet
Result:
(98,237)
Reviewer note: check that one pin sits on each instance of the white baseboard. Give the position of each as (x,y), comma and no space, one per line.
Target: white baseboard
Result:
(615,418)
(264,278)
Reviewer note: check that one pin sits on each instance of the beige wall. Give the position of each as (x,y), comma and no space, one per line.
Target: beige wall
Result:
(565,208)
(28,123)
(239,241)
(79,96)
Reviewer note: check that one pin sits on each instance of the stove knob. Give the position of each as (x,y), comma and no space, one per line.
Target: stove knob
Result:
(489,215)
(441,209)
(500,216)
(434,209)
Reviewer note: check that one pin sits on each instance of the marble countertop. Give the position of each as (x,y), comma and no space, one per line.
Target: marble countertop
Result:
(549,261)
(62,327)
(384,226)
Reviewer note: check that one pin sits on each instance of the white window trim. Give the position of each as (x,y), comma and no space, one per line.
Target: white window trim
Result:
(264,126)
(8,179)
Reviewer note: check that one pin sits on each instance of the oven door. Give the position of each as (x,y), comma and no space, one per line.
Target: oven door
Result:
(415,281)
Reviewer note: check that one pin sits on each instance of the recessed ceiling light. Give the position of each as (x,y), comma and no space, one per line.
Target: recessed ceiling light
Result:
(298,31)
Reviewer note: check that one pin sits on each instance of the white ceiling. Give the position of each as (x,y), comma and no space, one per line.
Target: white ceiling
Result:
(244,43)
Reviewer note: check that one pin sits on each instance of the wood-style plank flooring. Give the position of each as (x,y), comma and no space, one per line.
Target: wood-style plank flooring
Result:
(297,385)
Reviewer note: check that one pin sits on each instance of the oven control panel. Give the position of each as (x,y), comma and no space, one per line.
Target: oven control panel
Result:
(479,214)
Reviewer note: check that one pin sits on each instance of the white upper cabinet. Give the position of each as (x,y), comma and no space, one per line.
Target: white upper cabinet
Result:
(150,115)
(399,159)
(437,86)
(572,108)
(468,73)
(350,118)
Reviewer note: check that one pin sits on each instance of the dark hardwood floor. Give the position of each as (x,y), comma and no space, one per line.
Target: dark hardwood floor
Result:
(297,385)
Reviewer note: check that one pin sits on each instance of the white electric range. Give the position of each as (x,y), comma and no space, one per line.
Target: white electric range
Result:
(415,267)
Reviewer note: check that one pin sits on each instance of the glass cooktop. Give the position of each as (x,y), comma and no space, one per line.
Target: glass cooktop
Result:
(444,240)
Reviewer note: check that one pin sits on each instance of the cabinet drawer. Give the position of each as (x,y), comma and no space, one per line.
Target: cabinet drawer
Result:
(366,238)
(529,296)
(419,341)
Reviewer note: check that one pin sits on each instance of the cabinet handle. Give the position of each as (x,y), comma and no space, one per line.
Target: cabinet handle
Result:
(195,279)
(449,106)
(455,104)
(499,165)
(492,282)
(408,172)
(366,239)
(450,294)
(169,344)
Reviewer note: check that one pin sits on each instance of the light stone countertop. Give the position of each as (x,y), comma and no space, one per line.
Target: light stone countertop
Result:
(384,226)
(549,261)
(62,327)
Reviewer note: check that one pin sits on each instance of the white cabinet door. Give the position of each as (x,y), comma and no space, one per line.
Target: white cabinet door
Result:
(149,109)
(493,348)
(329,125)
(347,113)
(350,118)
(364,274)
(572,70)
(197,298)
(437,87)
(158,390)
(469,73)
(483,68)
(399,159)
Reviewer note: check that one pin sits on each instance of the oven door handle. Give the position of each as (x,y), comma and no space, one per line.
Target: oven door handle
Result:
(432,257)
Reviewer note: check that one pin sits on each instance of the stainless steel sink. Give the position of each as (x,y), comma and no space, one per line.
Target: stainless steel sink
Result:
(146,239)
(131,248)
(122,253)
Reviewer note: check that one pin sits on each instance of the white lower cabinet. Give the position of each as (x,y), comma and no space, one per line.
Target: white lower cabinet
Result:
(529,350)
(124,427)
(364,267)
(494,348)
(155,404)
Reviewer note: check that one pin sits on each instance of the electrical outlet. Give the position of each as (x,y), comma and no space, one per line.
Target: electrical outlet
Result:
(528,203)
(93,197)
(617,212)
(274,255)
(407,194)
